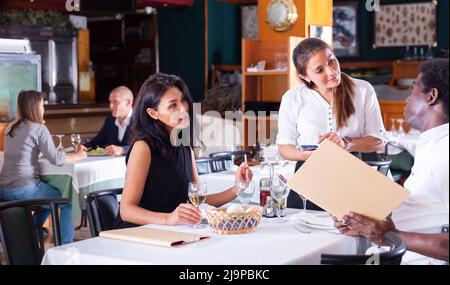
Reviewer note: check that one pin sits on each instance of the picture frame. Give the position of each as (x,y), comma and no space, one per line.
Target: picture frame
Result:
(325,33)
(408,24)
(345,29)
(249,22)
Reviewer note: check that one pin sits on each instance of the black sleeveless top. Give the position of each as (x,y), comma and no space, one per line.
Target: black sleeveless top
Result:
(167,182)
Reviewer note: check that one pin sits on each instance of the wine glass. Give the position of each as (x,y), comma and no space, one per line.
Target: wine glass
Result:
(197,195)
(279,192)
(393,130)
(304,205)
(270,158)
(401,130)
(60,147)
(76,140)
(244,190)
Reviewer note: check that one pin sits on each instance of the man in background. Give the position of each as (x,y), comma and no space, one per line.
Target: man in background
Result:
(114,135)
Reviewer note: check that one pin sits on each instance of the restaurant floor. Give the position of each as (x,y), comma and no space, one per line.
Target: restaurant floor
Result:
(81,234)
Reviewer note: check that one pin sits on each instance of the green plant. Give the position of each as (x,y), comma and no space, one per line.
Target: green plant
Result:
(30,17)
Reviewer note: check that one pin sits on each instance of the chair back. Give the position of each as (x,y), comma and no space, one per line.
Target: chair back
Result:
(206,165)
(102,208)
(22,238)
(401,161)
(380,161)
(231,156)
(391,257)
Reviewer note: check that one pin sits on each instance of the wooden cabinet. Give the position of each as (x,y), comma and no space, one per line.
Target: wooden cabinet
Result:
(403,73)
(262,90)
(141,49)
(375,72)
(86,83)
(123,51)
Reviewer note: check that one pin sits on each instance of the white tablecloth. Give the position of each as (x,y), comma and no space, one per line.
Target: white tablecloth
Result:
(220,181)
(271,243)
(86,172)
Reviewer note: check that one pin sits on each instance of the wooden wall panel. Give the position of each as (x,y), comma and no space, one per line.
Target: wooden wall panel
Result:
(2,136)
(273,88)
(293,77)
(319,13)
(85,96)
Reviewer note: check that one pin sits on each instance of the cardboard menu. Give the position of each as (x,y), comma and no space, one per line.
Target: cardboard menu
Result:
(339,182)
(152,236)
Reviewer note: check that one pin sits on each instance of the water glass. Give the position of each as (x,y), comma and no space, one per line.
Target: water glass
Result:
(279,192)
(244,190)
(60,147)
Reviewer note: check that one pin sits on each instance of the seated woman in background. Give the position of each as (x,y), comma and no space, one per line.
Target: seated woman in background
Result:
(327,105)
(158,172)
(25,139)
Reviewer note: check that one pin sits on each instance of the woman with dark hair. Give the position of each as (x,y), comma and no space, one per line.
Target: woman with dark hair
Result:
(25,139)
(327,105)
(159,168)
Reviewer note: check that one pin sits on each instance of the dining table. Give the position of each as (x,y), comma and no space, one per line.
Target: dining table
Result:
(272,243)
(76,179)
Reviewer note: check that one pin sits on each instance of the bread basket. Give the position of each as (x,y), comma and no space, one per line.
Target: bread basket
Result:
(245,222)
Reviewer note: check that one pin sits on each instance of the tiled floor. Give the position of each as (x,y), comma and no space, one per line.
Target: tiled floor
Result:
(81,234)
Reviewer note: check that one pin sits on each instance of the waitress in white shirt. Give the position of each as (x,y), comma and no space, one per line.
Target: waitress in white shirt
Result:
(327,105)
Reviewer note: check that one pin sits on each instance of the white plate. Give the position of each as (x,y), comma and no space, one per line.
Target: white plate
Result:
(318,220)
(97,154)
(313,226)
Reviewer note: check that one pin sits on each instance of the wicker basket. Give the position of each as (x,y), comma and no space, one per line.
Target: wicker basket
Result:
(222,222)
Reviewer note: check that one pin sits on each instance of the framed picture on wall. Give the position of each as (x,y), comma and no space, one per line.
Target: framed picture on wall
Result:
(249,20)
(406,24)
(345,29)
(325,33)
